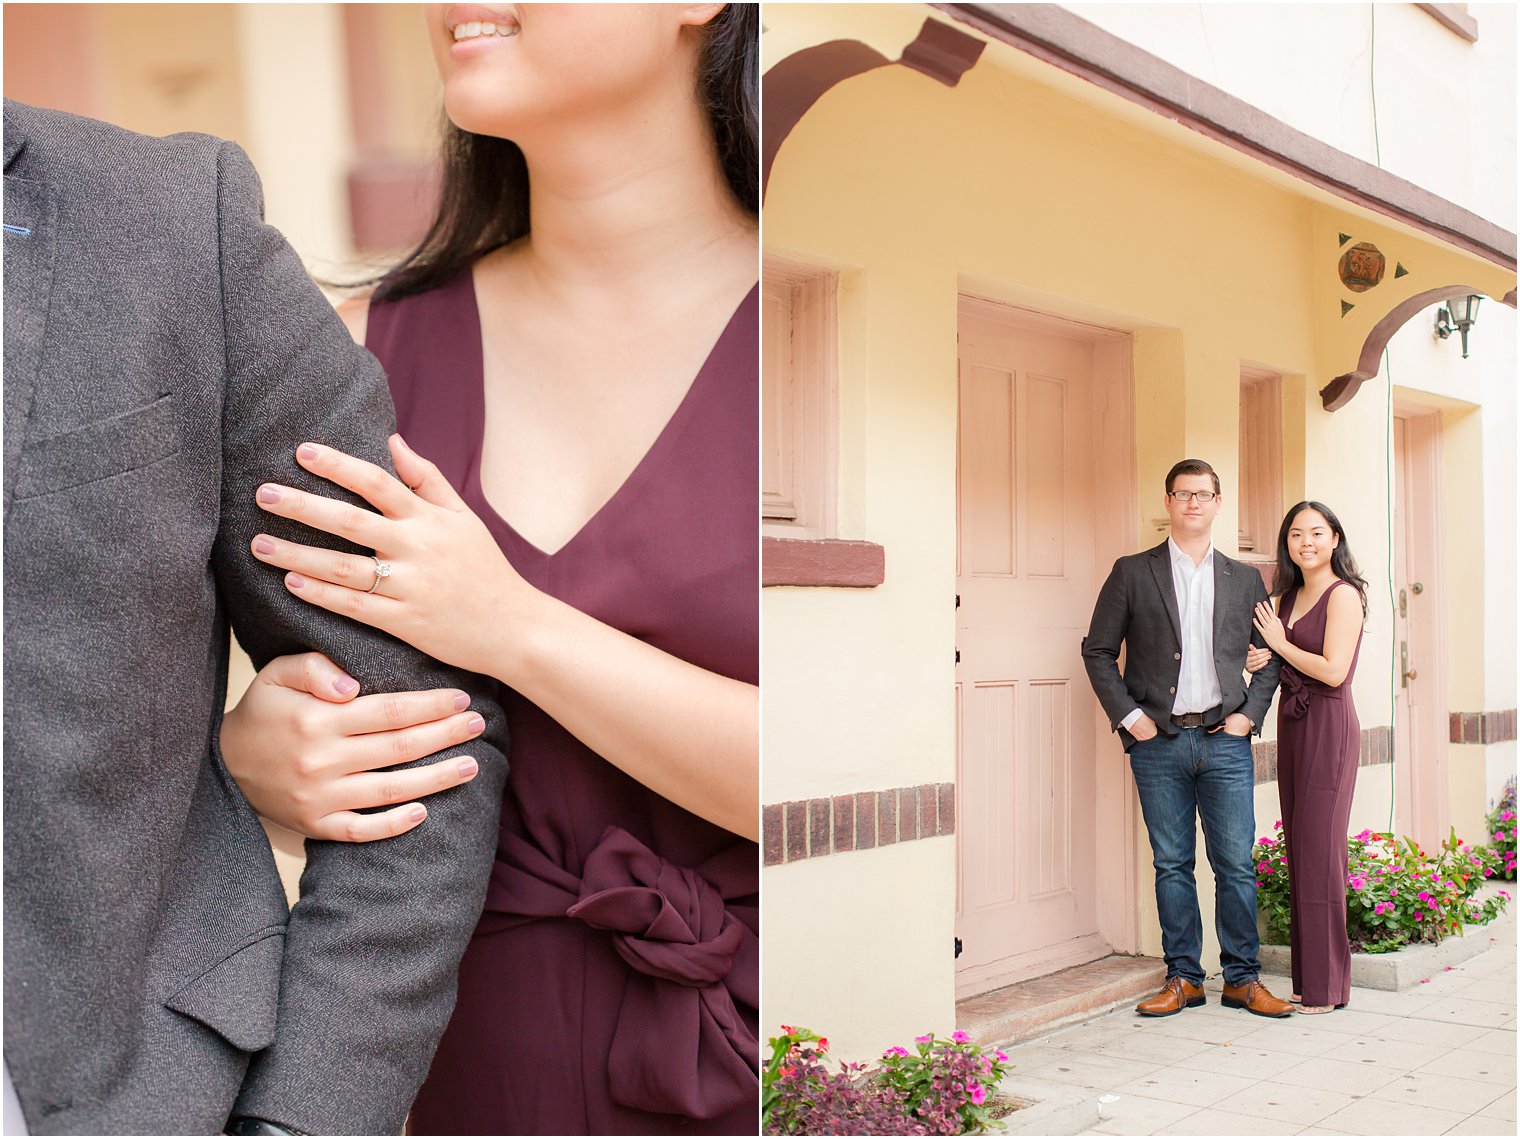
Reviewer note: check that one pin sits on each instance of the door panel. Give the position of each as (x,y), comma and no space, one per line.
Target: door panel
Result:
(1026,580)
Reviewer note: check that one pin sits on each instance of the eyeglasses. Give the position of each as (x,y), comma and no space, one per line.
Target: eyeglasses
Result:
(1185,496)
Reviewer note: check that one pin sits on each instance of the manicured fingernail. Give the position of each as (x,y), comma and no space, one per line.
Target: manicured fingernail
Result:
(294,580)
(346,685)
(268,494)
(475,724)
(461,702)
(417,813)
(307,451)
(467,768)
(262,545)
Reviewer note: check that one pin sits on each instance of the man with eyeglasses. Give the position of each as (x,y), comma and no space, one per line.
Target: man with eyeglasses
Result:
(1186,713)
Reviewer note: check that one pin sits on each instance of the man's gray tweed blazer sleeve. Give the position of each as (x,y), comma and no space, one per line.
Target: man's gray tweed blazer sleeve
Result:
(372,947)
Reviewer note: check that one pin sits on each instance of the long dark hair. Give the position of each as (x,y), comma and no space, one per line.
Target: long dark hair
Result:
(483,200)
(1342,564)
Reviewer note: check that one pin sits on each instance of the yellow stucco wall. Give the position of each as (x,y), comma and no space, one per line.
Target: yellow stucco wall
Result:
(1010,186)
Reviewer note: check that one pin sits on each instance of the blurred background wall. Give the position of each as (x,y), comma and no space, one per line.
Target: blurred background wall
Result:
(338,105)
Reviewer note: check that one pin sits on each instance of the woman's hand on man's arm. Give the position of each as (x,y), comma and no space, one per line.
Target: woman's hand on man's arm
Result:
(309,753)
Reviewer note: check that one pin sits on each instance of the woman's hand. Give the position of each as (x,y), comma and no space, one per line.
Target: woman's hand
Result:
(446,572)
(1257,658)
(305,752)
(689,735)
(1270,626)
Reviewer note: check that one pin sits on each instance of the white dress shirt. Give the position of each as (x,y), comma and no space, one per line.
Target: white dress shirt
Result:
(1197,680)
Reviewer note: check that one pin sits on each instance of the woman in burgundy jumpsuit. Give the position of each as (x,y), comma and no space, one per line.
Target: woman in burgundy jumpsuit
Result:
(1317,630)
(611,986)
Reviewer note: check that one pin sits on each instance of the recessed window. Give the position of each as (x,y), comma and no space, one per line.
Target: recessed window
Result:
(1261,503)
(798,353)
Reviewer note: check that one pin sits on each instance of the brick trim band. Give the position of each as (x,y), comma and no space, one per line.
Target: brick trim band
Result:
(812,828)
(1483,727)
(1377,747)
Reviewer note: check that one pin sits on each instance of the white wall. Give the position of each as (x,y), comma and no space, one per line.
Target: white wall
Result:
(1445,107)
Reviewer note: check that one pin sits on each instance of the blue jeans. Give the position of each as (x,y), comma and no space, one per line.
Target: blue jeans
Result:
(1212,775)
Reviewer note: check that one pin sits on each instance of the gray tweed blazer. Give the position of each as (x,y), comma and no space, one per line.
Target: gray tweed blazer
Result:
(1137,608)
(164,354)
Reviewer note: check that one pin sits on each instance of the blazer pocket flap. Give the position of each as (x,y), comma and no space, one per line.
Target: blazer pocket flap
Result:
(99,450)
(239,996)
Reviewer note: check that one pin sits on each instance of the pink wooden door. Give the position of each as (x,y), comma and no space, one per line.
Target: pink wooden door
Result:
(1026,581)
(1420,793)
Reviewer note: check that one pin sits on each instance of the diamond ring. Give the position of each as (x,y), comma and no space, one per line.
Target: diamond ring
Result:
(382,571)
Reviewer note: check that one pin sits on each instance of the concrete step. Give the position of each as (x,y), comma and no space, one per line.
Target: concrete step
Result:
(1042,1004)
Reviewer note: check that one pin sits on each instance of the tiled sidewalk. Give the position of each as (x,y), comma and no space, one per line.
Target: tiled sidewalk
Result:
(1438,1059)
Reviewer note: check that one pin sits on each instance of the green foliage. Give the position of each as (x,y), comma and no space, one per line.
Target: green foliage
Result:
(1501,830)
(942,1087)
(1396,894)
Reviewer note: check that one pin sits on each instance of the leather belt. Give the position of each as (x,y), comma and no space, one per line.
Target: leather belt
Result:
(1188,719)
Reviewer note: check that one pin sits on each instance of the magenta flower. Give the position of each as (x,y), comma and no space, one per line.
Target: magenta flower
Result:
(959,1037)
(978,1094)
(1264,868)
(1419,916)
(895,1050)
(923,1039)
(1356,882)
(1001,1057)
(1277,826)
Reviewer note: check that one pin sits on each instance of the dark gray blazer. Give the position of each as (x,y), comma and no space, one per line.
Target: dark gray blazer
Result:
(165,353)
(1137,608)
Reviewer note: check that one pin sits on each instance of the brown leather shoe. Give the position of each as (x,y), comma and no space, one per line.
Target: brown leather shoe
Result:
(1254,997)
(1177,994)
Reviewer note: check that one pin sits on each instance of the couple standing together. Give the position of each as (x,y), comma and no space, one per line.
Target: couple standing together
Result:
(1192,621)
(193,439)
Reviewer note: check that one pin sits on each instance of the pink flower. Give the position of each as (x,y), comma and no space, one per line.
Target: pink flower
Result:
(1418,916)
(1264,868)
(1364,836)
(923,1039)
(1507,816)
(1356,882)
(895,1050)
(1277,826)
(1424,896)
(959,1037)
(1382,907)
(978,1094)
(1000,1057)
(1424,980)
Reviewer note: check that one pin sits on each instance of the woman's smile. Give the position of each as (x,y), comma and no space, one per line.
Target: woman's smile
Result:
(478,28)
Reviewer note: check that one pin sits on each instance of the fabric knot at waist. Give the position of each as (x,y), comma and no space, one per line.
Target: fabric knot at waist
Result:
(682,1043)
(1296,690)
(665,920)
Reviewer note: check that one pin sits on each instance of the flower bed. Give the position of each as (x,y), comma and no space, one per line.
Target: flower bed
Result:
(1501,829)
(941,1087)
(1396,894)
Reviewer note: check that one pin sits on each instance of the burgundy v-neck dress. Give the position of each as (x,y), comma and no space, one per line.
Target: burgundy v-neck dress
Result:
(612,984)
(1319,742)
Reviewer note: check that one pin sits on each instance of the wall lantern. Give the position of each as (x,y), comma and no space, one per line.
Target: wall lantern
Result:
(1457,315)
